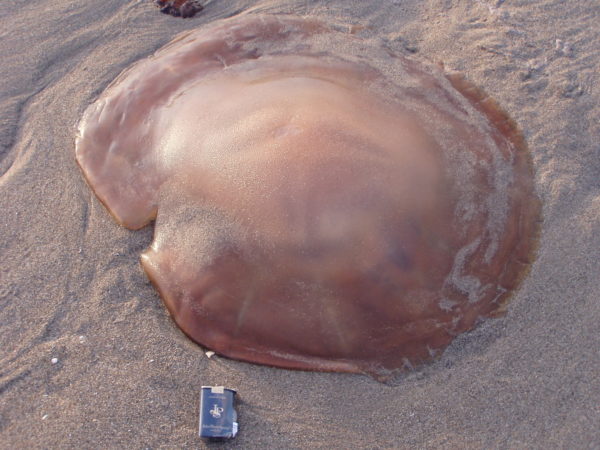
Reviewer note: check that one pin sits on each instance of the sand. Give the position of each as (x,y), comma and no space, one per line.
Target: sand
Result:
(89,357)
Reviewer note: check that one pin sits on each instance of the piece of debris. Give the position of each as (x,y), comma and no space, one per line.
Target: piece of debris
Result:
(209,354)
(54,360)
(179,8)
(218,417)
(563,48)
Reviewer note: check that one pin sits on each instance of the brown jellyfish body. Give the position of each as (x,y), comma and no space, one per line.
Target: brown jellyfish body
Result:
(320,203)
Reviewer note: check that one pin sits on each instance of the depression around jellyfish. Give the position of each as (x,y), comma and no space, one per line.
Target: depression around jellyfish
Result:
(320,202)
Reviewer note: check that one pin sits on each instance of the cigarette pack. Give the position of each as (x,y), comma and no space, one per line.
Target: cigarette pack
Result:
(218,417)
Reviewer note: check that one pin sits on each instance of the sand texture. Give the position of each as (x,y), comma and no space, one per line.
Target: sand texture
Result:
(89,357)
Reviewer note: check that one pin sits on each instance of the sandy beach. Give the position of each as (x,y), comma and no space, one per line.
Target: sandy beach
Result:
(89,357)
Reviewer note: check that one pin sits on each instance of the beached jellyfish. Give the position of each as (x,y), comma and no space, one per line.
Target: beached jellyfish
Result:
(320,202)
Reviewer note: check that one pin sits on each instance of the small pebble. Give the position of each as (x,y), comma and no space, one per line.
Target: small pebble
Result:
(210,354)
(54,360)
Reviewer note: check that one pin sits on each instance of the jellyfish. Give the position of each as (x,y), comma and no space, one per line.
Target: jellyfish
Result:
(319,202)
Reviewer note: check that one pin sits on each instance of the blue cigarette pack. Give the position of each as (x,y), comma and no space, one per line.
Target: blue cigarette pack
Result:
(218,417)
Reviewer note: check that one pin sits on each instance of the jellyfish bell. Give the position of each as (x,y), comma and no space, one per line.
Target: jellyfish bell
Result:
(320,204)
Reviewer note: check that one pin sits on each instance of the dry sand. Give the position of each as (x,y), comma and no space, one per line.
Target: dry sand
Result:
(88,355)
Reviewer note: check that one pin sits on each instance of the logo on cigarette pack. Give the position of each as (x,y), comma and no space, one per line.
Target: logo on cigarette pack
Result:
(216,411)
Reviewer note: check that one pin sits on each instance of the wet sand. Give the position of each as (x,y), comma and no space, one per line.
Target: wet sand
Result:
(88,354)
